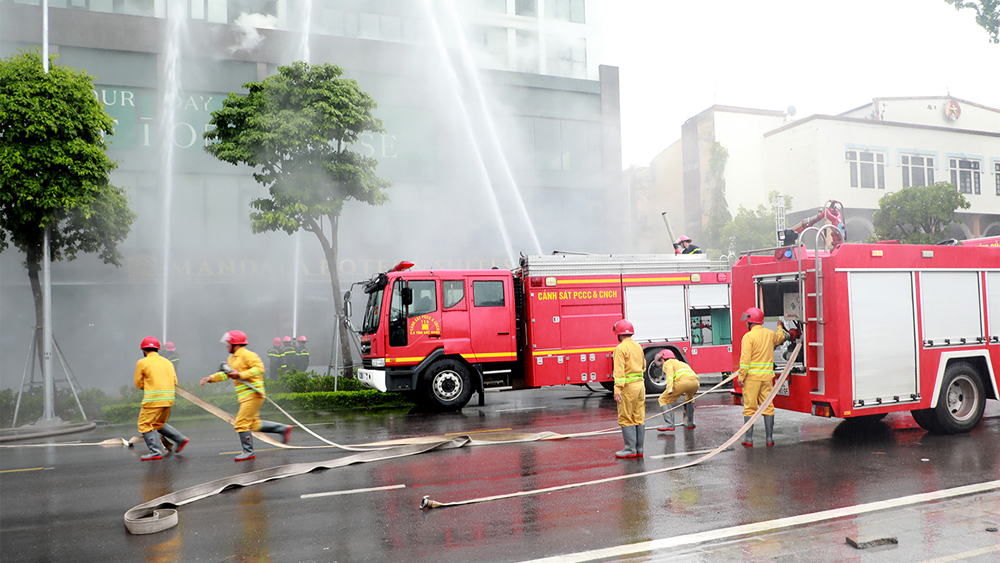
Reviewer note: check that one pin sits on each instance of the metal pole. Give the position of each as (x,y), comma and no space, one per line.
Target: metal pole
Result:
(49,412)
(45,35)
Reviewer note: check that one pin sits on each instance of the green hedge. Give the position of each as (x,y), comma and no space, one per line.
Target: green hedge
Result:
(367,399)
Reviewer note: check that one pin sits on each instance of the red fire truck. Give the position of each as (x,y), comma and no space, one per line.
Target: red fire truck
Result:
(886,328)
(444,334)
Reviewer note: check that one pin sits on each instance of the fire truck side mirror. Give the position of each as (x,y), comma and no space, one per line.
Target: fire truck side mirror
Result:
(347,304)
(407,295)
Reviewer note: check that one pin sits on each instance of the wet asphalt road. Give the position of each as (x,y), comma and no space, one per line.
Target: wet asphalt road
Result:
(67,503)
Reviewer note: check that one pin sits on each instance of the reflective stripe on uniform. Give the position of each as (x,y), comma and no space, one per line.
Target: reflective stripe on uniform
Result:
(629,378)
(151,396)
(682,371)
(244,388)
(758,368)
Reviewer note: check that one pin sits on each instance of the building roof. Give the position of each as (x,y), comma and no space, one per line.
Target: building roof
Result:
(883,123)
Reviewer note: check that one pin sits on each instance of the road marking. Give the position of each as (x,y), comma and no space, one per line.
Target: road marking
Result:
(26,469)
(769,525)
(521,409)
(352,491)
(477,432)
(964,555)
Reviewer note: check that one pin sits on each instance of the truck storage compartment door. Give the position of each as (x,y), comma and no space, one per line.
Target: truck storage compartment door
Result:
(993,302)
(657,312)
(951,307)
(883,337)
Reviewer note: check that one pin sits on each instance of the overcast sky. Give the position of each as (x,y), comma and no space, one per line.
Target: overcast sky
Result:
(677,58)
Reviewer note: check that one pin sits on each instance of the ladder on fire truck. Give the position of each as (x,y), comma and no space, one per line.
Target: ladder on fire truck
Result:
(810,303)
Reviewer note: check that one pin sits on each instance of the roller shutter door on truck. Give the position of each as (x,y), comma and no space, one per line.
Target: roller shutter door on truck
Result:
(883,336)
(657,312)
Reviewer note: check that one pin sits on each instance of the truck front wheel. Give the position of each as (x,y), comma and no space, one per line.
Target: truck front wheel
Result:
(446,385)
(960,404)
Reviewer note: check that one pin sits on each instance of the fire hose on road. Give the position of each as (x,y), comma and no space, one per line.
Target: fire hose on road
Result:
(427,503)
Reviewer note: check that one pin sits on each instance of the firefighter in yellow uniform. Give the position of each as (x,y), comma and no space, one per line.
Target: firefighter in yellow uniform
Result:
(155,375)
(681,380)
(756,371)
(630,389)
(247,372)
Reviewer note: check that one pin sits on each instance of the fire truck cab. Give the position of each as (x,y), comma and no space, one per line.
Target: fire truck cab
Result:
(443,334)
(886,327)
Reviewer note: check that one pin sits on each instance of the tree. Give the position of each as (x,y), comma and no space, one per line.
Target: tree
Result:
(54,171)
(987,15)
(918,214)
(297,129)
(753,229)
(718,209)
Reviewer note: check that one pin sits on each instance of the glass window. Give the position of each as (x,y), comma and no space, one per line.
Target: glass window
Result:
(566,10)
(526,50)
(424,297)
(488,293)
(965,175)
(526,8)
(917,170)
(867,169)
(372,312)
(996,175)
(454,292)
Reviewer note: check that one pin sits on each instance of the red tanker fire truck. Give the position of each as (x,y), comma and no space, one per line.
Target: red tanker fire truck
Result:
(444,334)
(886,327)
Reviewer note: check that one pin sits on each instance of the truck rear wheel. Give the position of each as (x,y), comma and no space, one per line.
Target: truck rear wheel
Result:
(960,404)
(446,385)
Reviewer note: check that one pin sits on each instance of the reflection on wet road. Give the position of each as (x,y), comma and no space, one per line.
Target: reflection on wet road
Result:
(74,510)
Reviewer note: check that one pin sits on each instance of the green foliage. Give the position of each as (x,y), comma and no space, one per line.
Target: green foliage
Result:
(367,399)
(718,208)
(297,130)
(753,229)
(53,167)
(64,404)
(987,15)
(918,214)
(294,381)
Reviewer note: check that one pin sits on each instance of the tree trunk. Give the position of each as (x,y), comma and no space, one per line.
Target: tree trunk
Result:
(31,261)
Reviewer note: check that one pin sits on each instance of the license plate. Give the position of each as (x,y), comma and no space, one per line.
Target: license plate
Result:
(783,390)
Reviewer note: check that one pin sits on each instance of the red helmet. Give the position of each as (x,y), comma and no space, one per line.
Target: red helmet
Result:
(286,339)
(753,315)
(169,347)
(276,342)
(235,337)
(303,339)
(684,238)
(150,343)
(623,327)
(664,355)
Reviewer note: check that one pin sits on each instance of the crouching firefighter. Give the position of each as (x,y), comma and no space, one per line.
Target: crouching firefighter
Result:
(156,376)
(681,380)
(630,389)
(247,372)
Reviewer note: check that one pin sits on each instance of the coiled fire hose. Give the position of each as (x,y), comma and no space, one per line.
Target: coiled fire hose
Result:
(426,503)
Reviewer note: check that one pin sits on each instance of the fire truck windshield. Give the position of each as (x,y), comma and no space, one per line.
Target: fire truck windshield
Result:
(373,311)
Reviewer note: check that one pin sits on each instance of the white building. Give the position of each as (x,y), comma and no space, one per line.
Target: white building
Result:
(855,157)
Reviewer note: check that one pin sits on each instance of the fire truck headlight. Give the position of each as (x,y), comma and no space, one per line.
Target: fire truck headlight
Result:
(378,362)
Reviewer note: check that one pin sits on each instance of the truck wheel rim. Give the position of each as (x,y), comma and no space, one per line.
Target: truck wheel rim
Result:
(656,377)
(962,398)
(447,385)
